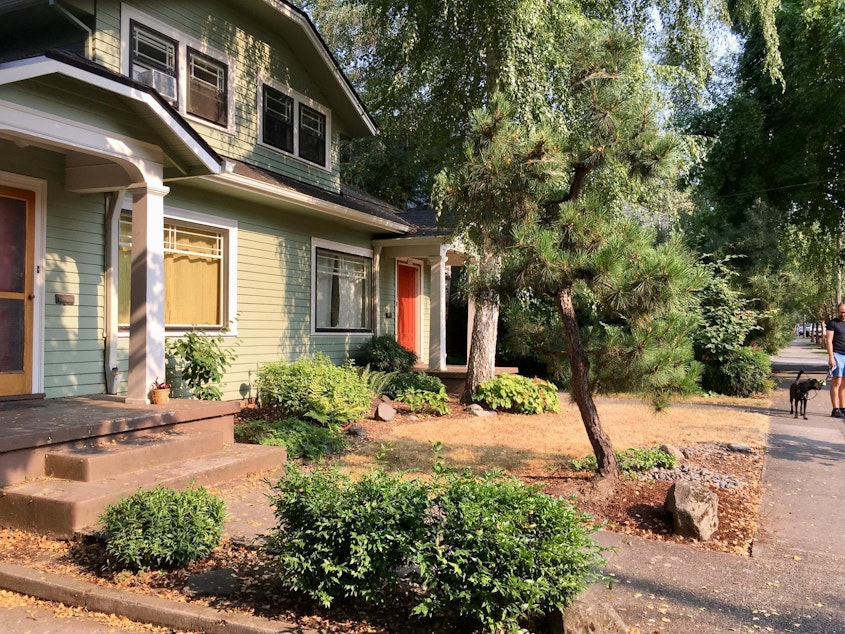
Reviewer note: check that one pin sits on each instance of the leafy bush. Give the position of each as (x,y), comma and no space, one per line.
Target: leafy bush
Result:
(635,460)
(743,372)
(383,353)
(302,439)
(341,538)
(404,381)
(202,361)
(518,394)
(498,550)
(436,403)
(163,528)
(314,388)
(489,550)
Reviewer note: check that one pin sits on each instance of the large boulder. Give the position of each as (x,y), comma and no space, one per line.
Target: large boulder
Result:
(694,509)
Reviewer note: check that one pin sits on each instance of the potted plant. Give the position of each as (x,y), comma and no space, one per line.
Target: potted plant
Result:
(159,392)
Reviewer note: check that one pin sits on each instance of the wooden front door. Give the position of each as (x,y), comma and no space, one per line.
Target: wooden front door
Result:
(17,261)
(407,302)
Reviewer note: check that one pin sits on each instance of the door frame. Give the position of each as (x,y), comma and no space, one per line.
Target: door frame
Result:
(38,187)
(418,267)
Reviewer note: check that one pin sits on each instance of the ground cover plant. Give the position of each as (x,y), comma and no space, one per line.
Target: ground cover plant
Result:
(302,439)
(518,394)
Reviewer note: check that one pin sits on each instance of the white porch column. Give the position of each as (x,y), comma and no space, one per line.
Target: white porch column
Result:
(437,315)
(146,322)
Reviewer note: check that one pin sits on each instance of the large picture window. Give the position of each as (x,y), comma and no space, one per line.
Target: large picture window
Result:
(343,283)
(196,274)
(289,125)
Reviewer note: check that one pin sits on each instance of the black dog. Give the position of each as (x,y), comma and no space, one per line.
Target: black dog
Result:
(798,393)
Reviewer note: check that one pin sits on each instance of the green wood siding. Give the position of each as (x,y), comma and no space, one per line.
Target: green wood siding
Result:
(73,265)
(255,53)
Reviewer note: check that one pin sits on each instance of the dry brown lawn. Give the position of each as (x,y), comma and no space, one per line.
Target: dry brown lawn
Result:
(516,443)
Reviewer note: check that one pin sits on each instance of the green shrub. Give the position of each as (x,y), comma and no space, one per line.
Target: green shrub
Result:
(404,381)
(498,551)
(201,360)
(633,460)
(337,538)
(302,439)
(489,551)
(518,394)
(743,372)
(162,528)
(377,380)
(314,388)
(383,353)
(436,403)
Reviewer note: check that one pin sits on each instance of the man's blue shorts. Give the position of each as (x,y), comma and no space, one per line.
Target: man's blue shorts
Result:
(839,370)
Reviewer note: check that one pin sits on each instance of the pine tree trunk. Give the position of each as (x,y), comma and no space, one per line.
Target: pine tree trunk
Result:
(602,447)
(481,364)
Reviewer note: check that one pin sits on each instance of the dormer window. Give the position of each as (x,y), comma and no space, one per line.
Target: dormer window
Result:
(206,87)
(290,125)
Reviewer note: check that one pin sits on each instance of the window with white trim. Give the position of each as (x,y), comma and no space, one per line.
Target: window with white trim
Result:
(342,291)
(207,93)
(196,78)
(292,126)
(197,274)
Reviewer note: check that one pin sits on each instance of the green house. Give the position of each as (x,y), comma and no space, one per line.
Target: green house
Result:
(170,165)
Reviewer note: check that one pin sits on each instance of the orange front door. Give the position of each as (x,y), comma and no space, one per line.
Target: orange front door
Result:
(17,232)
(407,311)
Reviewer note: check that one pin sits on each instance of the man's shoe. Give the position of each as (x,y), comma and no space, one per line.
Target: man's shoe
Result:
(837,413)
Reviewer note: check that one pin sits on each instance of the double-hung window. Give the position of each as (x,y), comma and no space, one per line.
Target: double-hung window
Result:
(193,76)
(197,273)
(342,290)
(206,87)
(294,127)
(153,59)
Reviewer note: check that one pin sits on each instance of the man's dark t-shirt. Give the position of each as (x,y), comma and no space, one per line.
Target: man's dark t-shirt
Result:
(837,326)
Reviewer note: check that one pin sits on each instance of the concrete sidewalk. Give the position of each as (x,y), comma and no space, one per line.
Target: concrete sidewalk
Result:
(793,582)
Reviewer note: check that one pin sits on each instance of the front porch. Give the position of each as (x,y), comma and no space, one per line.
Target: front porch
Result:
(62,461)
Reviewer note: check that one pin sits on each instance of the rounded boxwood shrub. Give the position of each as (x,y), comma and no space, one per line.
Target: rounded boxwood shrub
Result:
(163,528)
(518,394)
(384,354)
(314,388)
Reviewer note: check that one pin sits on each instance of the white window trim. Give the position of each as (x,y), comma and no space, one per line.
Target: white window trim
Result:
(298,98)
(318,243)
(230,261)
(128,13)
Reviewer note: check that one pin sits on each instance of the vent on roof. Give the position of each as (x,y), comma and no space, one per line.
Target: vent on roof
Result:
(163,83)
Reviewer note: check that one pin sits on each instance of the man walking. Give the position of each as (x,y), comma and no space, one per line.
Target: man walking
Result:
(835,341)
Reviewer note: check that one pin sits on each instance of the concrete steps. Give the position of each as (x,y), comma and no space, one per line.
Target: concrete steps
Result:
(63,508)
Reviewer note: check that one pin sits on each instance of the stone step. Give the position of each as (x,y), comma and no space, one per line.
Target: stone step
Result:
(111,456)
(64,508)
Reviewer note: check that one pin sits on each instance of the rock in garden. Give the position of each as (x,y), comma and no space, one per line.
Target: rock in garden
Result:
(673,451)
(476,410)
(385,412)
(738,447)
(585,616)
(357,430)
(694,509)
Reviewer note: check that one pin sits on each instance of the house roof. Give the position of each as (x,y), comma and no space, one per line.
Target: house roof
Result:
(427,223)
(348,197)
